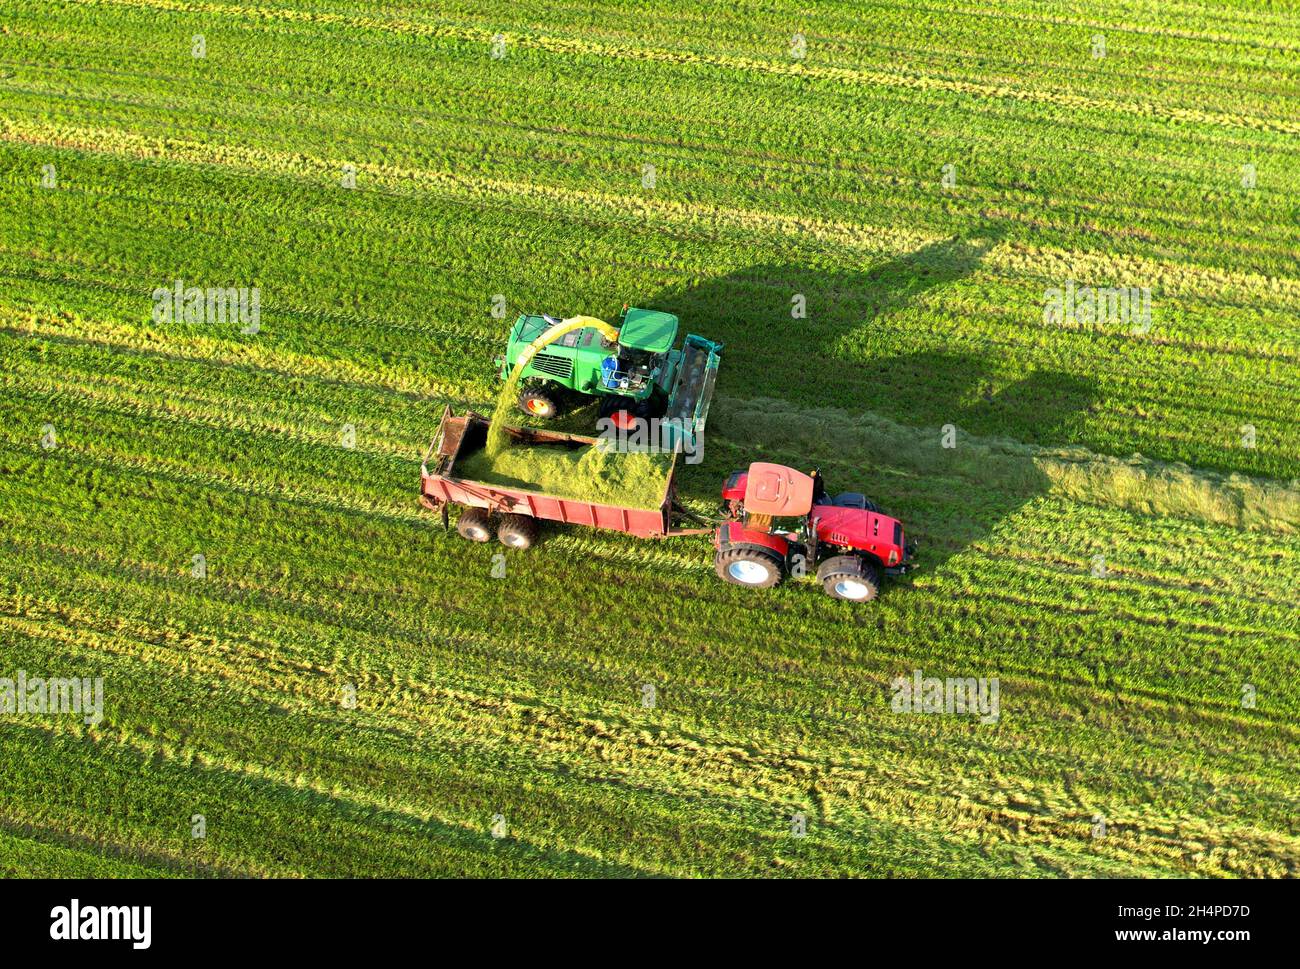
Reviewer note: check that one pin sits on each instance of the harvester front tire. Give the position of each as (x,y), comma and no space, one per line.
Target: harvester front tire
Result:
(517,531)
(474,524)
(539,402)
(850,577)
(753,566)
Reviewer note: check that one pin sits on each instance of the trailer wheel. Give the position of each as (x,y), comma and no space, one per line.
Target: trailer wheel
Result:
(539,402)
(474,524)
(850,577)
(517,531)
(755,566)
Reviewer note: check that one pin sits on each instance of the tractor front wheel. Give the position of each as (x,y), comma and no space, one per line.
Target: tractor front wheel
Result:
(850,577)
(474,524)
(538,402)
(755,566)
(517,531)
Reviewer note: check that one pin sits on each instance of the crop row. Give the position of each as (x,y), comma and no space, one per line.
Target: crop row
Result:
(1128,406)
(198,739)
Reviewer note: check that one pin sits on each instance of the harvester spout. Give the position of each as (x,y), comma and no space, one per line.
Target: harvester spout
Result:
(553,333)
(496,435)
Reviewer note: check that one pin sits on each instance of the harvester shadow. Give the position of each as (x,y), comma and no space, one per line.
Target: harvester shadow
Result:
(822,353)
(942,439)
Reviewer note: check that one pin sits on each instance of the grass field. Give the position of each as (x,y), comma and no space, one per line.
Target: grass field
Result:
(340,688)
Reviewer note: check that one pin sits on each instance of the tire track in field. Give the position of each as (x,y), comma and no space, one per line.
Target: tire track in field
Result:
(354,804)
(324,607)
(1017,807)
(699,149)
(1267,345)
(1075,474)
(285,608)
(574,47)
(1235,501)
(415,383)
(99,847)
(1015,259)
(1135,484)
(578,740)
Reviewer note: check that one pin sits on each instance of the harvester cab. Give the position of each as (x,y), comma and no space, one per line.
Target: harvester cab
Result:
(645,338)
(635,370)
(846,539)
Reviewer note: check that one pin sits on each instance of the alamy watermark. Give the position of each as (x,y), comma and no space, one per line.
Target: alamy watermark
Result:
(654,435)
(102,923)
(213,305)
(1100,307)
(52,696)
(978,696)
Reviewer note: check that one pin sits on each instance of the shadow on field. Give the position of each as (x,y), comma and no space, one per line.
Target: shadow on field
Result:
(825,356)
(870,410)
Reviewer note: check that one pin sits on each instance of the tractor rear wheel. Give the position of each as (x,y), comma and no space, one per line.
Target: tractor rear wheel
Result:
(517,531)
(850,577)
(539,402)
(474,524)
(755,566)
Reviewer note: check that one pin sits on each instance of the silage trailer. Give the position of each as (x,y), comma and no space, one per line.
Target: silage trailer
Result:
(773,522)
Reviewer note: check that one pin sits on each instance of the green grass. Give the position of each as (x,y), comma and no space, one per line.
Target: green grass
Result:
(289,458)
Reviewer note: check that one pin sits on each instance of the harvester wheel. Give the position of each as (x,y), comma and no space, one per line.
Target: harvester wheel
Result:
(755,566)
(474,524)
(538,402)
(850,577)
(622,411)
(517,531)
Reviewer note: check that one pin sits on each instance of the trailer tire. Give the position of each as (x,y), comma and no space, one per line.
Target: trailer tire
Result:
(474,524)
(850,577)
(539,402)
(753,566)
(517,531)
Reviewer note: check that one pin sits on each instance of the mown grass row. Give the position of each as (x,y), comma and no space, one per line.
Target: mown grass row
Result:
(212,471)
(188,626)
(1191,403)
(1124,204)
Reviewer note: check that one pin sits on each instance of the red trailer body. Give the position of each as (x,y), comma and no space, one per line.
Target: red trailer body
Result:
(440,485)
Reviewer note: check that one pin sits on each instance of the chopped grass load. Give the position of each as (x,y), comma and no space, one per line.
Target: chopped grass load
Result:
(634,479)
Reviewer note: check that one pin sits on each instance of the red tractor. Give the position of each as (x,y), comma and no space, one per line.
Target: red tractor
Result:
(846,539)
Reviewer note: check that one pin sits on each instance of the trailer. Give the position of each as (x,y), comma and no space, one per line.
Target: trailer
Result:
(517,510)
(773,522)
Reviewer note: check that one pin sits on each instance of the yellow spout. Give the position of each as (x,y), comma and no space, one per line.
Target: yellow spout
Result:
(554,333)
(496,433)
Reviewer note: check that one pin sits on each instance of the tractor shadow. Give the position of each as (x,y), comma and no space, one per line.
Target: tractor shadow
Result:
(875,407)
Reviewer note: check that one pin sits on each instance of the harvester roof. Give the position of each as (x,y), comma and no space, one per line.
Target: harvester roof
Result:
(648,330)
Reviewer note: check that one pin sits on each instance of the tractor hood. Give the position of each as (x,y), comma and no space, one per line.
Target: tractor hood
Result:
(856,528)
(648,330)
